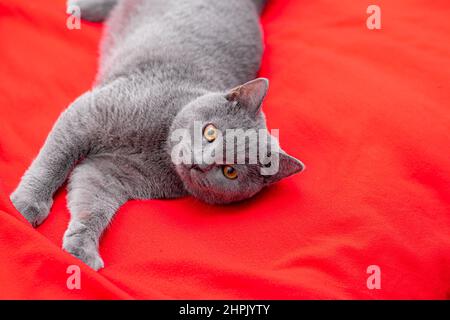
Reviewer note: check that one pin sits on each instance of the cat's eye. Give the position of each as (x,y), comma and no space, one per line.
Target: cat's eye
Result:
(210,132)
(229,172)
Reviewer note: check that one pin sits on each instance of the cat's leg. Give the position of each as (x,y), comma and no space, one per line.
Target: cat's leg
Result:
(93,10)
(68,142)
(95,194)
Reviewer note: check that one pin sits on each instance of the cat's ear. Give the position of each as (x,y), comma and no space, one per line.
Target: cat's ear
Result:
(287,166)
(250,95)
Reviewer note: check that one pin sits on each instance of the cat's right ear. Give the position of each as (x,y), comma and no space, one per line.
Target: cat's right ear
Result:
(250,95)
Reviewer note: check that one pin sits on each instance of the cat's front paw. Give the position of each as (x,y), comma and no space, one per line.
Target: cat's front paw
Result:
(83,249)
(35,211)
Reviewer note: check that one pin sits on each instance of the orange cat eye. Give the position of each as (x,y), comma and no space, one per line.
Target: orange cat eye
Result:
(229,172)
(210,132)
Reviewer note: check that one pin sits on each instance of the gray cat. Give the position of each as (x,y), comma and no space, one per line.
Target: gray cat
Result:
(164,64)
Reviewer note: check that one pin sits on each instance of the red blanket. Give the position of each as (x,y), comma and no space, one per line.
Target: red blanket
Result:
(366,110)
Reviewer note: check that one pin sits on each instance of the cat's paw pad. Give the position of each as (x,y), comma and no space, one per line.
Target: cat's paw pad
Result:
(84,250)
(35,211)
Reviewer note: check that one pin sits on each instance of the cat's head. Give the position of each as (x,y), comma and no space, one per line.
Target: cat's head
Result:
(219,164)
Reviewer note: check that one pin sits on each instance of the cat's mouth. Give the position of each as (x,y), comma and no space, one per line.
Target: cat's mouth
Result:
(194,176)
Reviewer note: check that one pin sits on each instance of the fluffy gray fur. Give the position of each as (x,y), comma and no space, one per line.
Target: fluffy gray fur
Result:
(164,64)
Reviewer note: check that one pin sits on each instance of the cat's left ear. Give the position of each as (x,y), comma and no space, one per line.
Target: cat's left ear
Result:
(284,166)
(250,95)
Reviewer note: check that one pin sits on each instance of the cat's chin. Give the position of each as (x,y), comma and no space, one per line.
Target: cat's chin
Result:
(212,198)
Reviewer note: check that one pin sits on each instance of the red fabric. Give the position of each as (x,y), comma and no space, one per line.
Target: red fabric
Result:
(367,111)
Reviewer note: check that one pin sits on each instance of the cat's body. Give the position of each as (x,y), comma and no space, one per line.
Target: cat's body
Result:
(163,64)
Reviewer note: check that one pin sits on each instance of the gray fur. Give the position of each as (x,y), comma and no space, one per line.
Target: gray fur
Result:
(164,64)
